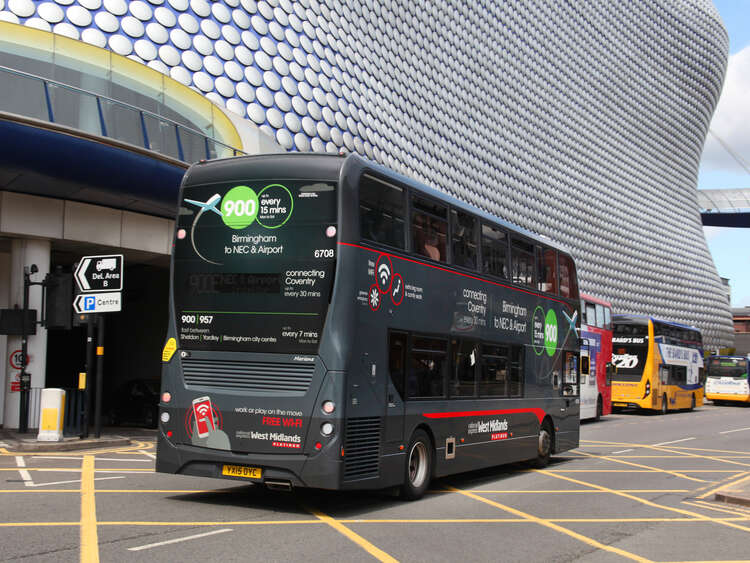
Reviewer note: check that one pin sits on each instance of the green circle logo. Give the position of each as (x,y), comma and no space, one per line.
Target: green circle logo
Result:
(239,207)
(550,332)
(276,206)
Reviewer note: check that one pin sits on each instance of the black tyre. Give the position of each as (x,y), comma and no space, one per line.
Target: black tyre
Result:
(418,467)
(544,446)
(598,408)
(664,404)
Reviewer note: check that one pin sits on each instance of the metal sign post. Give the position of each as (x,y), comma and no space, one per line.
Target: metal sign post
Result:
(100,280)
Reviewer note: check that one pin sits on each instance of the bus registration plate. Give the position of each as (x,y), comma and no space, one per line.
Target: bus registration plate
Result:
(242,471)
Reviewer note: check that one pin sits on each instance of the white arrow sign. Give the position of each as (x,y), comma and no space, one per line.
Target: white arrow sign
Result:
(100,273)
(110,302)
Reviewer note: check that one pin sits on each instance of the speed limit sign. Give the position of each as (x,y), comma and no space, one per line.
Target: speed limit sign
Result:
(16,359)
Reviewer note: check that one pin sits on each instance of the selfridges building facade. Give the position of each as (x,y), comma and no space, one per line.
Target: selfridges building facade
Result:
(580,121)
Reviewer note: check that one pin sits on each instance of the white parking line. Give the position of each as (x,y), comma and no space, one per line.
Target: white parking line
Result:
(737,430)
(623,451)
(673,442)
(73,481)
(152,456)
(25,475)
(196,536)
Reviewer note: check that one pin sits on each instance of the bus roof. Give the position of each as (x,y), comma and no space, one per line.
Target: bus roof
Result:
(293,166)
(356,160)
(317,166)
(595,300)
(643,320)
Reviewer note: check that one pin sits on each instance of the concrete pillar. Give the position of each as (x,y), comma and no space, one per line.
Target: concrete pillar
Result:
(24,253)
(4,299)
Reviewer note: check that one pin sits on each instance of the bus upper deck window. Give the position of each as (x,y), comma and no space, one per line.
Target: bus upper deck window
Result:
(600,316)
(429,229)
(382,212)
(494,251)
(464,236)
(568,283)
(522,262)
(547,270)
(590,314)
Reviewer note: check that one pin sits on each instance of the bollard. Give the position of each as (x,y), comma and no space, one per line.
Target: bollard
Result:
(52,415)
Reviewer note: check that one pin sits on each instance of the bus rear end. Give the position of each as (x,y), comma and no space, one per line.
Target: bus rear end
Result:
(245,393)
(727,380)
(631,355)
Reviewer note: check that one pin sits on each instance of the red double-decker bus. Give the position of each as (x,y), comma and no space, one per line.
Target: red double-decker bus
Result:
(596,357)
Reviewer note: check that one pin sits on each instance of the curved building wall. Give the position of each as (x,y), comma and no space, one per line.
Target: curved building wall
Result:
(582,122)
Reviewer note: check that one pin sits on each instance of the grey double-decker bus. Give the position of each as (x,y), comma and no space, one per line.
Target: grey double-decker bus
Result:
(336,325)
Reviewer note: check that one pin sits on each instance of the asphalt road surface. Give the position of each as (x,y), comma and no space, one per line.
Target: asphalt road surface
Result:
(640,487)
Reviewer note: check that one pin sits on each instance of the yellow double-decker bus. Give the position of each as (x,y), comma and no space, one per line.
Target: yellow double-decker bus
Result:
(659,364)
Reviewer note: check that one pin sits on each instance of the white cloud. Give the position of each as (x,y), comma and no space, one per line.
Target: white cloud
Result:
(731,121)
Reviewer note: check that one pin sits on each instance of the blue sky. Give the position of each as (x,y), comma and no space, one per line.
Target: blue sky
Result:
(731,122)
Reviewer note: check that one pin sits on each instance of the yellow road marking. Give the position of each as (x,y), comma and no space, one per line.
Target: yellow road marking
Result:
(681,455)
(547,524)
(356,538)
(130,450)
(127,491)
(89,537)
(645,501)
(726,510)
(745,477)
(658,470)
(598,443)
(643,470)
(670,449)
(675,520)
(573,491)
(76,470)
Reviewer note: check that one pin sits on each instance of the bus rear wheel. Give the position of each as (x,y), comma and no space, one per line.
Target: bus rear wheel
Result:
(664,404)
(418,470)
(544,446)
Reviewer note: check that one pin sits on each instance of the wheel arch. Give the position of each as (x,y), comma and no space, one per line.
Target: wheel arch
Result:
(551,425)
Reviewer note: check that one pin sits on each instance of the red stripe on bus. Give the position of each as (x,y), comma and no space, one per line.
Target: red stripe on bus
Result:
(463,414)
(453,272)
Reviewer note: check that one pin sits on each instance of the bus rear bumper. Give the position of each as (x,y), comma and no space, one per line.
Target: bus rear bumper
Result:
(299,470)
(738,397)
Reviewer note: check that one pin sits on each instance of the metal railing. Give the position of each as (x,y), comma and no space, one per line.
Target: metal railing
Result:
(32,96)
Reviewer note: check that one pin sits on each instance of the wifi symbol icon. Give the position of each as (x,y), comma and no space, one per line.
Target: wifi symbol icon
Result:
(384,274)
(202,410)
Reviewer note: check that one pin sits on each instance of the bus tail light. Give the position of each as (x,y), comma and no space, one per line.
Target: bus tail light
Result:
(329,407)
(318,446)
(648,389)
(165,417)
(326,429)
(166,397)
